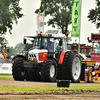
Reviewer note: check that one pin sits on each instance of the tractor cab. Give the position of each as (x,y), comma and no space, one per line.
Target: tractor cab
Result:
(46,45)
(72,46)
(95,55)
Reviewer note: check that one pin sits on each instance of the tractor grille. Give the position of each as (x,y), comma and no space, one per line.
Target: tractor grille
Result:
(32,55)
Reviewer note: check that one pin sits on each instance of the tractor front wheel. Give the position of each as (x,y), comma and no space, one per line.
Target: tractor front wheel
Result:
(17,69)
(49,70)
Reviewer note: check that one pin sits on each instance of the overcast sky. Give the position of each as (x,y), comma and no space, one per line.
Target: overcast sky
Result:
(27,25)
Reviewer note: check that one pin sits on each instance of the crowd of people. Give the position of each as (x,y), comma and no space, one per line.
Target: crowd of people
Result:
(4,58)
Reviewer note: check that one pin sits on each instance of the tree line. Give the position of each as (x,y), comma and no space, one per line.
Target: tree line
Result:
(59,10)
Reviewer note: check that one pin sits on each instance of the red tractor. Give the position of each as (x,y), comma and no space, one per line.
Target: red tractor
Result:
(48,60)
(92,64)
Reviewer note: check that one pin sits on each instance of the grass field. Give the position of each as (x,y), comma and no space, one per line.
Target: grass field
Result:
(22,88)
(6,76)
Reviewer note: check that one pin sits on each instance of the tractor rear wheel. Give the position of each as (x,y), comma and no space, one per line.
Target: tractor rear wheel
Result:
(49,70)
(71,68)
(17,69)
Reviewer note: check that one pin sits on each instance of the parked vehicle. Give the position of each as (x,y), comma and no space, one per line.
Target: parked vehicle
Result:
(92,64)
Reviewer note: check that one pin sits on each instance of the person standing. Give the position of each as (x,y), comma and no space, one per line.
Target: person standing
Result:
(3,55)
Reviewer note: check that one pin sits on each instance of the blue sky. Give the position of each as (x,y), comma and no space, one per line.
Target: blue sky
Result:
(27,25)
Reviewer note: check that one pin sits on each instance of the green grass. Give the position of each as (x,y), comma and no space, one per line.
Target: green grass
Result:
(24,88)
(6,76)
(85,87)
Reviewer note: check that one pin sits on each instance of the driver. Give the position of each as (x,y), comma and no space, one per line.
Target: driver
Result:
(50,45)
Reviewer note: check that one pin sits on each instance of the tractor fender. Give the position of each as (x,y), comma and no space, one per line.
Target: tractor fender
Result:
(18,56)
(53,58)
(61,57)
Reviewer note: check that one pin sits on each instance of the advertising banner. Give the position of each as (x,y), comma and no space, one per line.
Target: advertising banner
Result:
(6,68)
(40,22)
(76,13)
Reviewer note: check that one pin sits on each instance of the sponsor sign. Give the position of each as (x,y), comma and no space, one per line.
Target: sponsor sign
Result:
(40,22)
(6,68)
(90,65)
(76,18)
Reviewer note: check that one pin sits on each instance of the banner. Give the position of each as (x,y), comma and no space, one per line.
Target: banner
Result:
(6,68)
(40,22)
(76,13)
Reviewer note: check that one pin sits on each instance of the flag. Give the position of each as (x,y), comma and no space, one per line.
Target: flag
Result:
(76,13)
(40,22)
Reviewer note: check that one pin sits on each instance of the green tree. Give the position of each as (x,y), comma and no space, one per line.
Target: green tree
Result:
(12,51)
(9,13)
(3,40)
(28,46)
(19,47)
(60,10)
(94,14)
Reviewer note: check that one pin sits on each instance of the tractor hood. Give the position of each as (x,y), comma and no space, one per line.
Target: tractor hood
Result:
(38,54)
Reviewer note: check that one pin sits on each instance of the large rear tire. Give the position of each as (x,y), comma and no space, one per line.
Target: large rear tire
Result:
(17,69)
(71,68)
(49,70)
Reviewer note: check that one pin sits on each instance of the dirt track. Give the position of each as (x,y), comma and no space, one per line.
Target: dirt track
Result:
(10,82)
(47,94)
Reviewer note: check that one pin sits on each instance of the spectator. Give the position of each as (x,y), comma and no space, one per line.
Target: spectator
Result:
(3,55)
(4,49)
(11,58)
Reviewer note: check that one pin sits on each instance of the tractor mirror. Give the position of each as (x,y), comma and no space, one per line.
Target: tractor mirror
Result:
(60,42)
(24,41)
